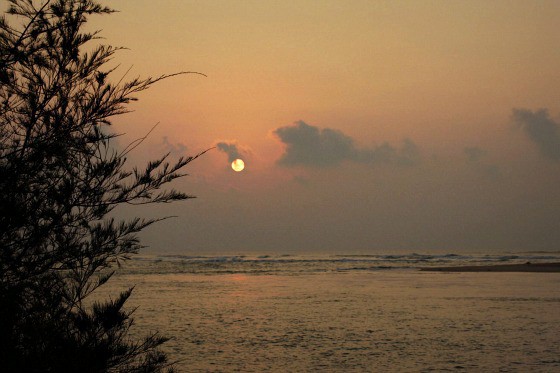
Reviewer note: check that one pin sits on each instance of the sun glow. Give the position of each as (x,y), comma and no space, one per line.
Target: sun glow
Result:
(238,165)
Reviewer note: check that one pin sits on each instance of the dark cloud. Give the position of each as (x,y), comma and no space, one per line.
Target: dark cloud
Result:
(312,146)
(541,129)
(475,156)
(177,150)
(474,153)
(231,148)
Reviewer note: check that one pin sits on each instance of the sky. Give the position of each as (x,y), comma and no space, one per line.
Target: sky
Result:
(365,126)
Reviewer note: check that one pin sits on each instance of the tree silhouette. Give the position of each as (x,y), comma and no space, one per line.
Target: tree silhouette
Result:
(59,179)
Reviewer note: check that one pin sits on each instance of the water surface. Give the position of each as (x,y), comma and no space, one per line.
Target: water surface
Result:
(346,313)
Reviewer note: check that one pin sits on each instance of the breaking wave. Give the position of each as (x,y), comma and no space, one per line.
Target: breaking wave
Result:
(287,264)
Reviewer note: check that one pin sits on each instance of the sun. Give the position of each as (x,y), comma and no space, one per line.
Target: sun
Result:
(238,165)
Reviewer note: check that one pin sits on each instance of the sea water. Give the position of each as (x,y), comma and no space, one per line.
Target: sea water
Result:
(345,313)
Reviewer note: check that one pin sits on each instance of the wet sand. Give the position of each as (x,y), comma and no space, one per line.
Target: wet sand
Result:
(523,267)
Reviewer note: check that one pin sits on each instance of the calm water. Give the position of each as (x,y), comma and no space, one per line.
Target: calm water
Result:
(347,313)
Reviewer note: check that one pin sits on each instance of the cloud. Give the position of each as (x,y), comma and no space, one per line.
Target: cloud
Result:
(474,153)
(541,129)
(176,150)
(475,156)
(232,149)
(311,146)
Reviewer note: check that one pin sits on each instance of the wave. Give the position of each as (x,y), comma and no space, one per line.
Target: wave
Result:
(300,264)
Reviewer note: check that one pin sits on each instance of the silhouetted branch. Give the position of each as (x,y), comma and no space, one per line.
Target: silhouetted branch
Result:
(60,177)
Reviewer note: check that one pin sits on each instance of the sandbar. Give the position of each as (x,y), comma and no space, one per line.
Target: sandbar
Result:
(520,267)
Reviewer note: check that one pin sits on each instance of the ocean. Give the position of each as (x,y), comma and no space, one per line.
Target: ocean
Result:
(346,313)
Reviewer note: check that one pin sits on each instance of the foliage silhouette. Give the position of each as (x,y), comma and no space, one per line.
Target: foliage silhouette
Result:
(59,179)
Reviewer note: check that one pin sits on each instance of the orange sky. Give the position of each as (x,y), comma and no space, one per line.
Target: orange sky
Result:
(443,75)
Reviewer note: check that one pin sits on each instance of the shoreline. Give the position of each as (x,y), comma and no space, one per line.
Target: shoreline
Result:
(520,267)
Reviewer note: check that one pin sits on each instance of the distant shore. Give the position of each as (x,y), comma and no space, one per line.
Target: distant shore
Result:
(523,267)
